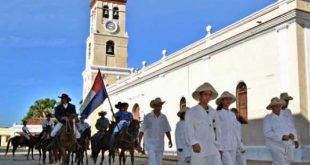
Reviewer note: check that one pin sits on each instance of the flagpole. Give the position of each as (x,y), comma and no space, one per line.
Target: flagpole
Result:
(113,114)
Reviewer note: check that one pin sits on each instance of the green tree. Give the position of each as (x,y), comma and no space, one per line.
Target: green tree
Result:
(40,108)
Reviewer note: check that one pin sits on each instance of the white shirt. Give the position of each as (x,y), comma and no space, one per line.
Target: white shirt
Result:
(228,125)
(47,123)
(274,128)
(203,128)
(154,129)
(25,130)
(287,113)
(65,105)
(180,140)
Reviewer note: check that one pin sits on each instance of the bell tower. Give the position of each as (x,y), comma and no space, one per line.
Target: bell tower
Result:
(107,43)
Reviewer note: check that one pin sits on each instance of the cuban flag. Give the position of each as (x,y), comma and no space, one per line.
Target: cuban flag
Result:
(95,97)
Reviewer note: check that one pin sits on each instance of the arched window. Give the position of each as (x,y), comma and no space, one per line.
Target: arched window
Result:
(136,111)
(89,50)
(110,48)
(242,102)
(115,13)
(105,11)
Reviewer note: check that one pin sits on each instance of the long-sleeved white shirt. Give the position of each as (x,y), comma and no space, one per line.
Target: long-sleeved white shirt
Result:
(228,126)
(47,123)
(203,128)
(154,129)
(275,126)
(287,113)
(25,130)
(180,140)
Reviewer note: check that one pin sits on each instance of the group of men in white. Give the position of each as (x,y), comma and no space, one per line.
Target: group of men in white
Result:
(205,136)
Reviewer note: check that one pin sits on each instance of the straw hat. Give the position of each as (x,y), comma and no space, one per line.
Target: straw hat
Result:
(285,96)
(205,87)
(102,113)
(156,101)
(225,94)
(274,102)
(182,110)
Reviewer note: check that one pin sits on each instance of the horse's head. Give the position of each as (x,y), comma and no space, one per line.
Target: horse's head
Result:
(86,133)
(48,128)
(71,116)
(134,127)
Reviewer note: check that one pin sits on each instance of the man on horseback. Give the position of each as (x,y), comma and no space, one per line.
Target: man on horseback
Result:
(26,133)
(123,118)
(48,122)
(82,125)
(61,113)
(101,125)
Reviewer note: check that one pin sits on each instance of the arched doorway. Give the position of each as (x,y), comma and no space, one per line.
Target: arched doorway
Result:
(242,102)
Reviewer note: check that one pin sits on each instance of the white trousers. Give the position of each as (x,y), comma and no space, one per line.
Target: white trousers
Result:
(183,160)
(155,157)
(26,136)
(206,160)
(58,127)
(279,157)
(240,158)
(229,157)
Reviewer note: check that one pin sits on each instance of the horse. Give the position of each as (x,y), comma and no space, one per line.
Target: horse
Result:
(103,144)
(66,140)
(22,141)
(44,141)
(83,142)
(127,140)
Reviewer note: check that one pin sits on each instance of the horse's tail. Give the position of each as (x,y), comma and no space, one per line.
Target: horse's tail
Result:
(7,147)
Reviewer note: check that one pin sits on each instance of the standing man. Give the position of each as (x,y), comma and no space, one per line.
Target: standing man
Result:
(61,111)
(287,113)
(203,128)
(278,137)
(183,148)
(155,125)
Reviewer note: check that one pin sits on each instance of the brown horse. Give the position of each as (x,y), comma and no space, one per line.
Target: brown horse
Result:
(22,141)
(102,144)
(66,140)
(127,140)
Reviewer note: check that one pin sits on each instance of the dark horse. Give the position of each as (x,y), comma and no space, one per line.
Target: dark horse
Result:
(44,141)
(127,140)
(102,144)
(83,146)
(22,141)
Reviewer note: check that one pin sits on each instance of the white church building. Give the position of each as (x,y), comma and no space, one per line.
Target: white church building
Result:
(256,58)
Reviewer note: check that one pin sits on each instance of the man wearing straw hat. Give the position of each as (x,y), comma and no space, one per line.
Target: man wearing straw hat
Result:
(228,126)
(287,113)
(278,136)
(202,127)
(183,148)
(155,125)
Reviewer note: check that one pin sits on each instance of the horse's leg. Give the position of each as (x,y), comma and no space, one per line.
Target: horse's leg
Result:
(102,156)
(32,153)
(132,156)
(124,157)
(44,155)
(39,149)
(14,149)
(120,156)
(28,153)
(86,156)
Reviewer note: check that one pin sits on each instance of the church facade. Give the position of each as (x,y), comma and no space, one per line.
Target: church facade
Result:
(256,58)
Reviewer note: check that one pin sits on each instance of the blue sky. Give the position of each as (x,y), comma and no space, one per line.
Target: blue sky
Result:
(42,43)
